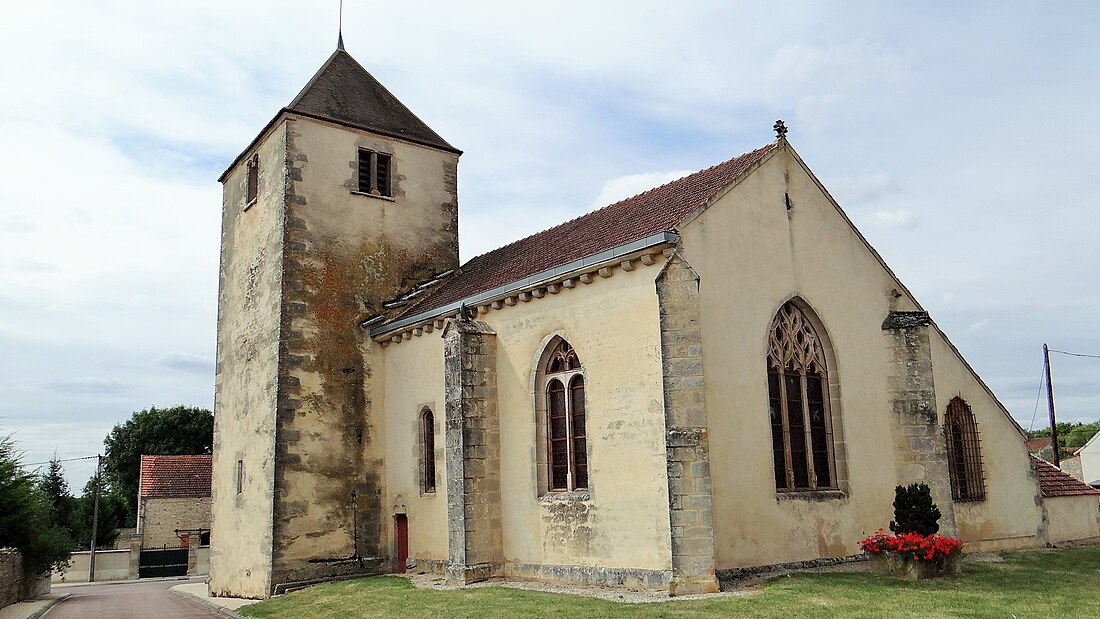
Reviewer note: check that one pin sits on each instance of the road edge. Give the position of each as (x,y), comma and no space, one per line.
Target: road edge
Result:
(225,612)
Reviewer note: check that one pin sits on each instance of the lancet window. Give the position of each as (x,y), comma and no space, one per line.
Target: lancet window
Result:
(798,404)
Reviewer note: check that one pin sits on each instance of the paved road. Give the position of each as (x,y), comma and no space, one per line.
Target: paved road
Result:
(130,600)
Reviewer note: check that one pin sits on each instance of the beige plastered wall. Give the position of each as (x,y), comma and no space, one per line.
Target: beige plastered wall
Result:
(247,367)
(1073,518)
(353,252)
(413,379)
(624,521)
(753,254)
(163,516)
(1011,514)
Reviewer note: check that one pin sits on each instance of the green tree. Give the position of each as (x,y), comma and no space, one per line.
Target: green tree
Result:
(62,504)
(175,431)
(26,518)
(112,511)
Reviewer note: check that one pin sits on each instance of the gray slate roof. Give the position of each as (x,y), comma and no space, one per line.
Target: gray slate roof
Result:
(344,92)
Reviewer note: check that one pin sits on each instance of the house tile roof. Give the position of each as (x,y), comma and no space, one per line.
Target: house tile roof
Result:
(1054,482)
(1038,444)
(658,210)
(175,476)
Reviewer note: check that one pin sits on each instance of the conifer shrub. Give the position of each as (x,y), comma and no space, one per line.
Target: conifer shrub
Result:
(914,511)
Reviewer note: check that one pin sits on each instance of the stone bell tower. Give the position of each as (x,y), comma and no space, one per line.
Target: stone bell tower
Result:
(342,201)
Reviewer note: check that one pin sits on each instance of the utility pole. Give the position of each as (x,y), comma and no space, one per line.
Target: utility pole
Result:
(1050,402)
(95,517)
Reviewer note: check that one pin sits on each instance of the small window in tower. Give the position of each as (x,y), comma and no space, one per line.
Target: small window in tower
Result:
(240,476)
(374,173)
(253,188)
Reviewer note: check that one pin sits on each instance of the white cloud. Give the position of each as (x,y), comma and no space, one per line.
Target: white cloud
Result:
(979,325)
(623,187)
(867,188)
(87,385)
(892,219)
(186,362)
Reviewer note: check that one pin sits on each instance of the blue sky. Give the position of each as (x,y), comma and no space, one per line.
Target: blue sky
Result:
(962,138)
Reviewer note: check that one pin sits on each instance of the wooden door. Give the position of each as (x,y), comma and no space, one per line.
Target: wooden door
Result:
(401,532)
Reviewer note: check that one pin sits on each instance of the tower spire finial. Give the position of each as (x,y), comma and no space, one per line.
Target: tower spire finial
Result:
(340,28)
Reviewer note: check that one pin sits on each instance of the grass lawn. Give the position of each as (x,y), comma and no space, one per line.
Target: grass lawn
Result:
(1040,583)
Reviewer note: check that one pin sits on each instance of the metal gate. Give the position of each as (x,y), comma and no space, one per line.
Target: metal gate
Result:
(167,562)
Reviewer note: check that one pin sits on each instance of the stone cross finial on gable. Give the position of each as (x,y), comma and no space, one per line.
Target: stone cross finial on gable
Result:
(780,129)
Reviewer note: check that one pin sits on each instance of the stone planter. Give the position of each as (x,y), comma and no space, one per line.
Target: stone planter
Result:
(905,568)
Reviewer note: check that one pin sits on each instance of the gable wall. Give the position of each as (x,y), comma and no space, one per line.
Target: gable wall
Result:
(753,254)
(1011,514)
(613,325)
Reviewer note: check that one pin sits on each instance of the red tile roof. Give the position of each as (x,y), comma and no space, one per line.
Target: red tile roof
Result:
(1038,444)
(175,476)
(658,210)
(1054,482)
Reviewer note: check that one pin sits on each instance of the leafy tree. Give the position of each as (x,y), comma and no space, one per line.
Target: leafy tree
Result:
(1070,435)
(175,431)
(112,511)
(26,518)
(914,510)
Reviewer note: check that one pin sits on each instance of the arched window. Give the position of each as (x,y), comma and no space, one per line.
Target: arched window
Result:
(964,458)
(427,451)
(562,383)
(798,404)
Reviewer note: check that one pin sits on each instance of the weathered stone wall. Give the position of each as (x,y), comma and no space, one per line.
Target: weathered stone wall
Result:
(163,516)
(687,450)
(920,451)
(472,436)
(346,254)
(245,392)
(15,585)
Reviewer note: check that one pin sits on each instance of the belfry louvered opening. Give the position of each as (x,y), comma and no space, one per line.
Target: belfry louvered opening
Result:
(964,456)
(374,172)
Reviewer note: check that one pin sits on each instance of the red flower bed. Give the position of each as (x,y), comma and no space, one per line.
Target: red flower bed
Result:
(912,545)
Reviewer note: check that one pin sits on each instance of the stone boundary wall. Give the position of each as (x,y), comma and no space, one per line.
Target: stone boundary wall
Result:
(686,444)
(15,586)
(919,449)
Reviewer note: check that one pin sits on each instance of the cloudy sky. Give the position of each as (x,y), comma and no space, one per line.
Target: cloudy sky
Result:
(962,138)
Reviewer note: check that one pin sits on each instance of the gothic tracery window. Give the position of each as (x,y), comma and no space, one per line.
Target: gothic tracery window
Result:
(798,404)
(566,437)
(964,460)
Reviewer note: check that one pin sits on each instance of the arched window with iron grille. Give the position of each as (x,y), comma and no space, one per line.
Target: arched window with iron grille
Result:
(964,455)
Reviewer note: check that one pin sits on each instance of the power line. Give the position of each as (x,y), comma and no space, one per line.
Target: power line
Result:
(64,460)
(1075,354)
(1038,394)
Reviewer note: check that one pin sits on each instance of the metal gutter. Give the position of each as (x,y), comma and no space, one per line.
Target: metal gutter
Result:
(660,238)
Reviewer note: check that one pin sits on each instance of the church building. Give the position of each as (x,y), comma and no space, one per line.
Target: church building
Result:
(715,375)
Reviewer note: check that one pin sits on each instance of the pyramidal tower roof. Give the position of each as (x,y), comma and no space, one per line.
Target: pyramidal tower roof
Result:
(343,91)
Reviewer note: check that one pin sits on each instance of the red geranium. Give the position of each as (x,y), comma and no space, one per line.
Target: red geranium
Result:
(913,545)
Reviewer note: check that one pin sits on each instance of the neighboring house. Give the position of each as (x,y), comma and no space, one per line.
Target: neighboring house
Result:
(714,375)
(1072,466)
(174,500)
(1090,460)
(1035,446)
(1070,506)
